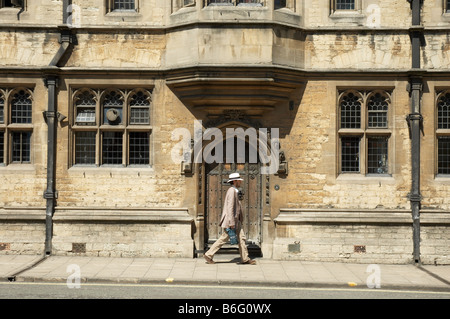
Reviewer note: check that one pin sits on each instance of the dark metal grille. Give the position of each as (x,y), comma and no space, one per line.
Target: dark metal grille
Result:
(377,109)
(350,111)
(345,4)
(113,103)
(21,108)
(350,154)
(139,148)
(112,148)
(140,108)
(280,4)
(377,152)
(444,111)
(79,248)
(124,5)
(2,147)
(21,147)
(85,148)
(447,7)
(444,155)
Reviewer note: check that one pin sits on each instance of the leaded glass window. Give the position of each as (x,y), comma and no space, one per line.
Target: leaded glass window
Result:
(16,107)
(124,4)
(85,148)
(140,108)
(85,108)
(280,4)
(377,150)
(113,108)
(377,110)
(121,136)
(350,154)
(112,148)
(220,2)
(345,4)
(443,133)
(21,107)
(444,155)
(364,131)
(2,108)
(351,111)
(443,109)
(21,147)
(2,147)
(139,148)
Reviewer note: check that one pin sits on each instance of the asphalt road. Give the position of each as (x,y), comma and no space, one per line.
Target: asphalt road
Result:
(28,290)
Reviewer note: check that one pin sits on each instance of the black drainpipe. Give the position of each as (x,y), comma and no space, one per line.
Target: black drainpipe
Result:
(415,123)
(50,193)
(52,117)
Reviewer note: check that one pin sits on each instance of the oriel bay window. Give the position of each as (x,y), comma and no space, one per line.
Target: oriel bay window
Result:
(16,125)
(364,131)
(111,127)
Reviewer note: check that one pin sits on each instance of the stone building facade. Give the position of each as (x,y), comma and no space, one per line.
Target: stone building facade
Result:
(92,93)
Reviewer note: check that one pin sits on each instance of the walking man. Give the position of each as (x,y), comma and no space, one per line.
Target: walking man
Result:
(232,217)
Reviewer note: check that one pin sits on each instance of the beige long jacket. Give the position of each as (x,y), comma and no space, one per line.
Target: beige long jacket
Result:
(232,210)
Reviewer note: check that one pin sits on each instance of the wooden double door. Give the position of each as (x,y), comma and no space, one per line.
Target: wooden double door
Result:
(250,194)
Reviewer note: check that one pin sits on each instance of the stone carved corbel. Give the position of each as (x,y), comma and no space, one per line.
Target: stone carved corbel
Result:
(187,163)
(283,164)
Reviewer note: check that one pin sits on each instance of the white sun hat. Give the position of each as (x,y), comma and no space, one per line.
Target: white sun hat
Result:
(234,177)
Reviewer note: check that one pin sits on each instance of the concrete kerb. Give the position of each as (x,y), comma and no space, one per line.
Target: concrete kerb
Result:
(426,279)
(232,283)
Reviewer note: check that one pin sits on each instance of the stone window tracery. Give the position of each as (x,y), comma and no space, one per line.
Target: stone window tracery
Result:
(16,125)
(443,132)
(111,127)
(364,131)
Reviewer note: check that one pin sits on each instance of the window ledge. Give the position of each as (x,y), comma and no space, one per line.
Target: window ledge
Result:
(346,14)
(227,6)
(184,10)
(10,9)
(443,131)
(351,17)
(17,168)
(285,10)
(123,16)
(250,5)
(442,178)
(365,179)
(26,126)
(111,169)
(355,131)
(123,13)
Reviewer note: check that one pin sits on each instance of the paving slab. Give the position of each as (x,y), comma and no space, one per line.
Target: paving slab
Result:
(226,270)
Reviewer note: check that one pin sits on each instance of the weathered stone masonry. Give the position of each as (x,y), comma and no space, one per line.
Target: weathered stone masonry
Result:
(273,67)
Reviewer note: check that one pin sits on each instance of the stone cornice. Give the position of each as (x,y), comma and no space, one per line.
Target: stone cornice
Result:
(359,216)
(223,23)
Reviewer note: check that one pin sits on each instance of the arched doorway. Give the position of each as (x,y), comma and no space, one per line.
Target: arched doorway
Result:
(250,193)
